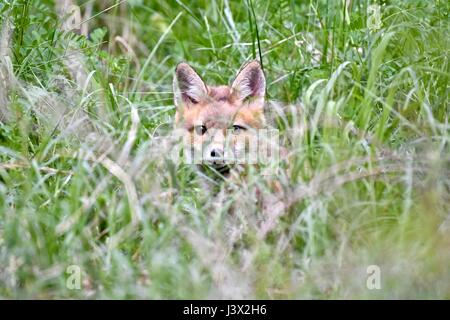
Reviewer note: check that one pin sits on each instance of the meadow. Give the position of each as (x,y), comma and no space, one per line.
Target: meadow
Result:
(92,206)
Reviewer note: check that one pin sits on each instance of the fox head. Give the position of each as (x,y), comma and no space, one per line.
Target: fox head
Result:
(220,121)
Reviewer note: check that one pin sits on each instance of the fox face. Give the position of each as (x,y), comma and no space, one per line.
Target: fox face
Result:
(220,122)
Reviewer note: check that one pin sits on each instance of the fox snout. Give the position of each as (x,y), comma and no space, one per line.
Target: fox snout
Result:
(214,148)
(215,155)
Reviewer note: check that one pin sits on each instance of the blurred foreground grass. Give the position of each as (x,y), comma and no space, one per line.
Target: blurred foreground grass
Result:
(85,178)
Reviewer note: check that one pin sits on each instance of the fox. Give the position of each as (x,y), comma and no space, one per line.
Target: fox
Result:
(220,121)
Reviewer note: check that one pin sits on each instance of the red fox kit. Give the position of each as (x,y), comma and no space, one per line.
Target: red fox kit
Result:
(220,121)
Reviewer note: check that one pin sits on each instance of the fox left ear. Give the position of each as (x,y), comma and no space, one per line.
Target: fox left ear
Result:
(188,87)
(250,82)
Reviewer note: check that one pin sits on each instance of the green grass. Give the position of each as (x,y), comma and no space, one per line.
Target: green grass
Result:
(86,178)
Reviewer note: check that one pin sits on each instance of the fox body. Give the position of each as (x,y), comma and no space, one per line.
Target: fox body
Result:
(220,121)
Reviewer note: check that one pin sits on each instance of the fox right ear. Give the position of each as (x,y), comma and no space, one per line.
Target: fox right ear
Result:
(188,87)
(250,82)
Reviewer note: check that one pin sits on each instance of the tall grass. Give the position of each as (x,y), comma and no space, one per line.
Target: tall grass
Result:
(86,177)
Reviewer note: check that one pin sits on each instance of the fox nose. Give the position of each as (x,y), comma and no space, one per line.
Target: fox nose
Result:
(216,153)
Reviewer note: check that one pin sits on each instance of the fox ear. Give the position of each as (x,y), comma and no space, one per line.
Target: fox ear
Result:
(250,82)
(188,87)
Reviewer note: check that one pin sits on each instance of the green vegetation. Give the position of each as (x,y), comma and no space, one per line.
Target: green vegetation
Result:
(86,178)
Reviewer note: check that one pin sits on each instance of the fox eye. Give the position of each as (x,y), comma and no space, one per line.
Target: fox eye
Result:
(200,130)
(236,129)
(191,100)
